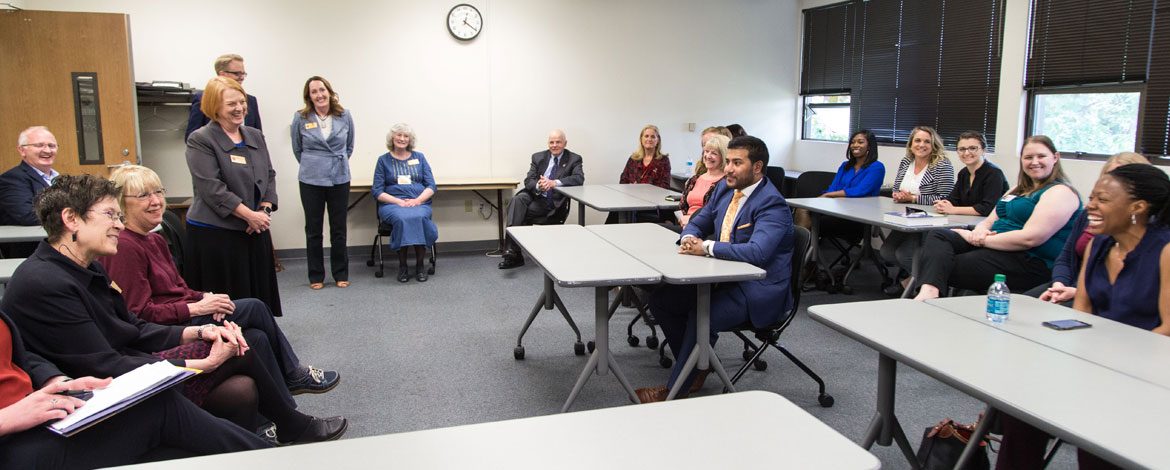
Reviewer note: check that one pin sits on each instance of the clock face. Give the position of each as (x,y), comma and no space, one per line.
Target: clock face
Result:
(464,22)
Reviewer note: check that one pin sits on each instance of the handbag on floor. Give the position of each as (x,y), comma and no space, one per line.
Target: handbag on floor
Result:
(943,444)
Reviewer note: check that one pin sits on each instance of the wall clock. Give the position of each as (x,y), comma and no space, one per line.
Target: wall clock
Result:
(464,22)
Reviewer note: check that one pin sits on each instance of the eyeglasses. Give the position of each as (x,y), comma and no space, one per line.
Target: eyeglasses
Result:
(114,216)
(969,149)
(160,192)
(238,75)
(41,145)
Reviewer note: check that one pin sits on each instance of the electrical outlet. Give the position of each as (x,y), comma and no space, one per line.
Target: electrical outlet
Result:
(467,205)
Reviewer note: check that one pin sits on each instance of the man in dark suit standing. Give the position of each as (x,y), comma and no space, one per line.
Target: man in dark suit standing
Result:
(230,66)
(537,201)
(751,223)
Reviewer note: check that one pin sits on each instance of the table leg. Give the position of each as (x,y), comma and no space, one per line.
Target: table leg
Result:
(866,233)
(499,251)
(885,429)
(548,300)
(601,360)
(989,417)
(815,248)
(702,356)
(915,267)
(580,213)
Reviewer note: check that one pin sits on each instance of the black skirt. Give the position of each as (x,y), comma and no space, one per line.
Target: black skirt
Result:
(234,263)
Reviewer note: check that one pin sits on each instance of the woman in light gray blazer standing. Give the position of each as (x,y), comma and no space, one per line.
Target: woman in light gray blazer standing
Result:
(322,141)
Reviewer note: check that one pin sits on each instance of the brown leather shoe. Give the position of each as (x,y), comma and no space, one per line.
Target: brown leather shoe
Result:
(652,394)
(699,380)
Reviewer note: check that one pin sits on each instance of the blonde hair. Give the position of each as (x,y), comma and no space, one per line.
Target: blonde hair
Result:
(134,179)
(718,143)
(641,153)
(716,130)
(1124,158)
(213,95)
(936,145)
(221,62)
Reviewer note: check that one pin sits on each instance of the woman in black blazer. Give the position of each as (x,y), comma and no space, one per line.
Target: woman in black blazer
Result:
(230,248)
(924,176)
(979,185)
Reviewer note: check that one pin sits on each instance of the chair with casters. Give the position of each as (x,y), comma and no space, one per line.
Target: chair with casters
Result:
(769,335)
(813,184)
(377,256)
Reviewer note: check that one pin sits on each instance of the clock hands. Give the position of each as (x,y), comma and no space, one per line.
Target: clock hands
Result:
(473,28)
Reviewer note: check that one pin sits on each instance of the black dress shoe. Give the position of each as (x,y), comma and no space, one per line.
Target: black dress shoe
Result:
(403,274)
(321,430)
(894,290)
(513,261)
(421,275)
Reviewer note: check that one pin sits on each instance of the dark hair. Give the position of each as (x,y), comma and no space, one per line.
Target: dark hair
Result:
(1146,183)
(871,154)
(76,192)
(736,130)
(757,149)
(973,135)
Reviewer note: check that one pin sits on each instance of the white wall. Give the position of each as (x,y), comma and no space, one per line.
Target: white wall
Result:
(600,70)
(827,156)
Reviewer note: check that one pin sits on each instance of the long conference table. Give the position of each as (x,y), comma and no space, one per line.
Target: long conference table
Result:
(705,432)
(602,256)
(1103,389)
(871,212)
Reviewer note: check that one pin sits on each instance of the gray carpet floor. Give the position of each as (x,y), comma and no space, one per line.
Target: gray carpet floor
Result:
(418,356)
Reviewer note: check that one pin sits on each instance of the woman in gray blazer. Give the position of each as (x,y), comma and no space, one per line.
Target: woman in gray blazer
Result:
(322,141)
(230,248)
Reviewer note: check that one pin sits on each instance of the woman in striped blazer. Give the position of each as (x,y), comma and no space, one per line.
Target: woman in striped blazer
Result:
(925,175)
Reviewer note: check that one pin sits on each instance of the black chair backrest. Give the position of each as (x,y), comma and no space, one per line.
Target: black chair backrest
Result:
(800,243)
(775,174)
(813,183)
(175,234)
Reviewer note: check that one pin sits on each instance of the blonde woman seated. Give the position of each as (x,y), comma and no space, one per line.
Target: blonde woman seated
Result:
(698,188)
(155,292)
(1020,239)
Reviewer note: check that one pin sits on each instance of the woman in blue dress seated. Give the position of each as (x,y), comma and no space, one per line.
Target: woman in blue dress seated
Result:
(1125,277)
(403,186)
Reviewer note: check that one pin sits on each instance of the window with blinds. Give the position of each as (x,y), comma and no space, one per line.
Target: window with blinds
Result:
(1089,63)
(907,63)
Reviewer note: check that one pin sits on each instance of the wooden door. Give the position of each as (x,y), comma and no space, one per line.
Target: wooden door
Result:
(41,53)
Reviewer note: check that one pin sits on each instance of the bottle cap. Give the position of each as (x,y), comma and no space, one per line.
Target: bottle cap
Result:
(1000,278)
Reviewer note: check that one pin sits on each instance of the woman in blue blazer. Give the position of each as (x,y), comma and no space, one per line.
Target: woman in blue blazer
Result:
(322,141)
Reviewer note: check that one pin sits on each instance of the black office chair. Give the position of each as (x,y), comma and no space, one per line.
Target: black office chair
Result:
(376,255)
(770,334)
(813,184)
(775,174)
(175,233)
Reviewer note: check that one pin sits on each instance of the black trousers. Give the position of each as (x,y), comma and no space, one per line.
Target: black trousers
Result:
(1024,446)
(315,200)
(168,420)
(945,251)
(252,314)
(525,209)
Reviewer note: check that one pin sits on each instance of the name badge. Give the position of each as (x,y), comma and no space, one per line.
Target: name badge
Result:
(1008,198)
(311,125)
(239,159)
(114,285)
(403,179)
(412,162)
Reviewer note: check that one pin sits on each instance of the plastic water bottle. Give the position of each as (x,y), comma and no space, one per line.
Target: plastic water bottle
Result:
(998,298)
(690,165)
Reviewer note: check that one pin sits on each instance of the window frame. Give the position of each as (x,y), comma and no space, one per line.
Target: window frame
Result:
(805,106)
(1127,87)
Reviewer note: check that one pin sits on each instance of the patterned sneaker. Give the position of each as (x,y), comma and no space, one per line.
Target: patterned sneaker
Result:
(315,381)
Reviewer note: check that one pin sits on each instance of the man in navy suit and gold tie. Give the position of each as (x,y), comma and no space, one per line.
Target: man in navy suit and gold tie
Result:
(537,201)
(750,222)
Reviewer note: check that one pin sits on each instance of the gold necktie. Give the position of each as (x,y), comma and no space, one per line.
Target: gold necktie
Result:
(729,219)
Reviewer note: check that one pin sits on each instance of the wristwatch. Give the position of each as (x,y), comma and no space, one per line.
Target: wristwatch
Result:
(199,332)
(267,210)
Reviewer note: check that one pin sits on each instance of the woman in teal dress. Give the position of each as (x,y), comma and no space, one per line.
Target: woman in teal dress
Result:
(403,186)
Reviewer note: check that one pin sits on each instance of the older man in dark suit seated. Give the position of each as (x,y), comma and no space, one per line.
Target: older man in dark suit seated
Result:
(537,201)
(751,223)
(20,185)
